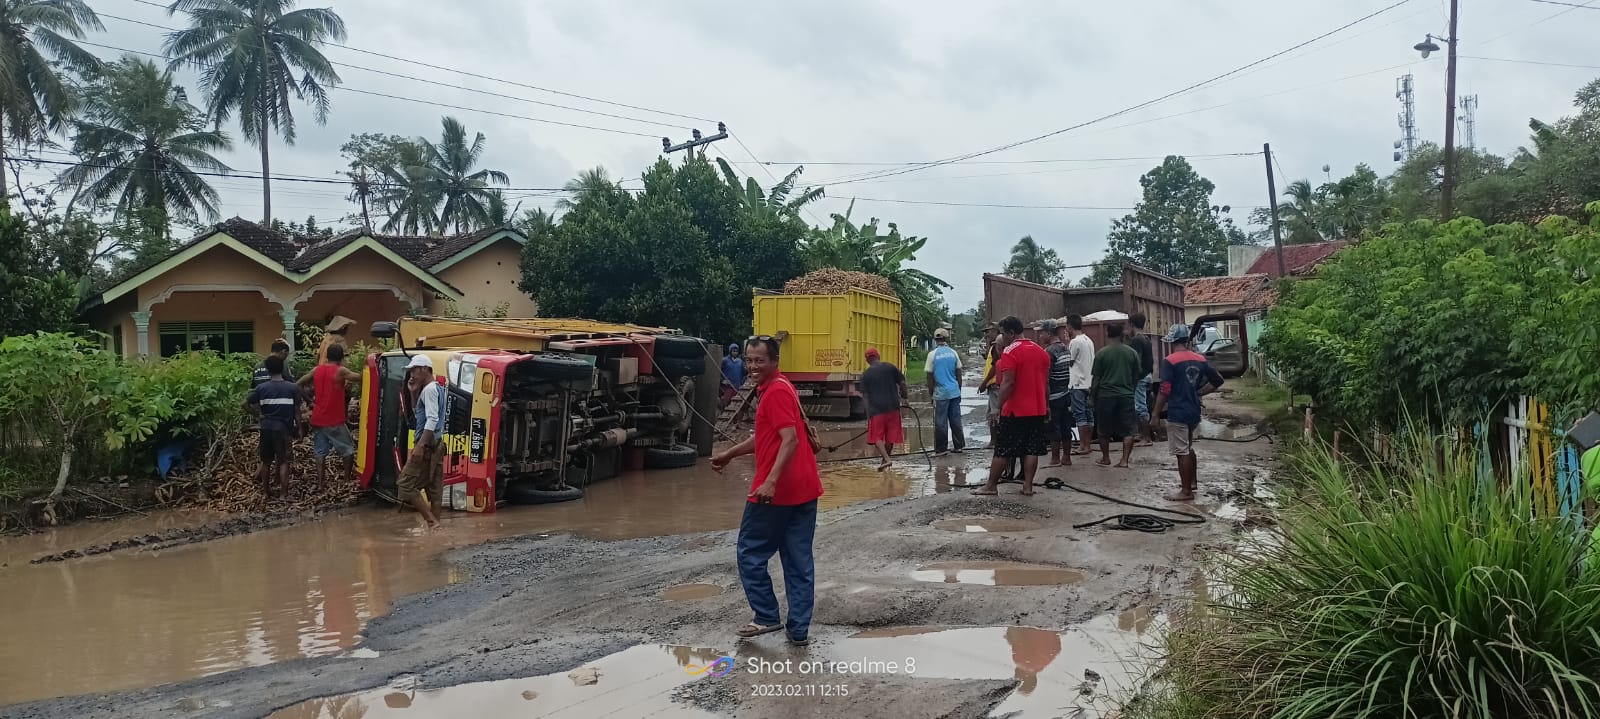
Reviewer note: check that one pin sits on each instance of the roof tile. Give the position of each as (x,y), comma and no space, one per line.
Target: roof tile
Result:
(1298,259)
(1221,290)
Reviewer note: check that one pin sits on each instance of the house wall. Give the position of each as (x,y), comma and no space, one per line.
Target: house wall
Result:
(216,306)
(1241,257)
(488,278)
(363,306)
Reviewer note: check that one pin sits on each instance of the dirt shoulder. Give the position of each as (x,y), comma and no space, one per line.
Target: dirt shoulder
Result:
(532,606)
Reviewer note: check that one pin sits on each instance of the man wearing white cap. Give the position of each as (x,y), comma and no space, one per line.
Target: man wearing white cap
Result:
(424,468)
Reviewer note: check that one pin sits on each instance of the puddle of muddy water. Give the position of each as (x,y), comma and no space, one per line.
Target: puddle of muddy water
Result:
(1056,671)
(985,524)
(996,574)
(690,592)
(134,619)
(636,682)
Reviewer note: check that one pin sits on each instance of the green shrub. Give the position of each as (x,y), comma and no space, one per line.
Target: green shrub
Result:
(1399,592)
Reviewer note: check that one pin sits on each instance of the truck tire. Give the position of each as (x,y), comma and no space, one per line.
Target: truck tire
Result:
(525,493)
(679,346)
(560,367)
(677,456)
(681,366)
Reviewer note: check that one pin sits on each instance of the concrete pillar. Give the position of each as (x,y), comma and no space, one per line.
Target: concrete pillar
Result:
(289,318)
(141,322)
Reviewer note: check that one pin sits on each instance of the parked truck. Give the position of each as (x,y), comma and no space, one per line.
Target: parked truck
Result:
(536,409)
(1158,296)
(824,341)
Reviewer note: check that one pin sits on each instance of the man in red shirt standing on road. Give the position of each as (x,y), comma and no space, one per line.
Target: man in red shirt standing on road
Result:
(329,386)
(780,513)
(1022,431)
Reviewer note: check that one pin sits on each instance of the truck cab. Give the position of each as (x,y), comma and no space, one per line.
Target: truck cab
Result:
(539,411)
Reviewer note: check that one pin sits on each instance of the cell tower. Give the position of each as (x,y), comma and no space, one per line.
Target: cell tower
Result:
(1468,122)
(1407,143)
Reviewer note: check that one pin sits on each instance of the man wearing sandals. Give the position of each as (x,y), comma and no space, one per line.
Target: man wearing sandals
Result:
(780,513)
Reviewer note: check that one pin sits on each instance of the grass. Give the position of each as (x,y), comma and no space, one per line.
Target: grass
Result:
(1400,591)
(916,367)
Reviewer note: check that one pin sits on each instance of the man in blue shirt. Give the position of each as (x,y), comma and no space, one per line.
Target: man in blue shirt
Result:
(1186,376)
(944,384)
(277,401)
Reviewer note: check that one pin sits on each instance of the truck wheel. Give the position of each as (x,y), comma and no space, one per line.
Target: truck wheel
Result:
(675,457)
(560,367)
(679,346)
(525,493)
(681,366)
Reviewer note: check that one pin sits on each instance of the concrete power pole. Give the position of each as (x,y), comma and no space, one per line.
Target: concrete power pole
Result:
(668,148)
(1272,204)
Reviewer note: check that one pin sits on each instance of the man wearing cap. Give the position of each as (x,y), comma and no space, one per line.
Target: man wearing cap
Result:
(944,385)
(885,388)
(1185,377)
(424,468)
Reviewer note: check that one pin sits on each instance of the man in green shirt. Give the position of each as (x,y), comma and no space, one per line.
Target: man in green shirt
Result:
(1116,374)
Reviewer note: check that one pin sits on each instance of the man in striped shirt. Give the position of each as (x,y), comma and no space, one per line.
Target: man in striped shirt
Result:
(277,400)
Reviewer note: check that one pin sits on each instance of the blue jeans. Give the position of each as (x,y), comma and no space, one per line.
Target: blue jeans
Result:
(947,417)
(786,531)
(1080,407)
(1141,399)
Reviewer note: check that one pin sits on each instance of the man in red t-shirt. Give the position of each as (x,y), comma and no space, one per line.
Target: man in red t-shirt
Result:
(329,387)
(1022,431)
(780,513)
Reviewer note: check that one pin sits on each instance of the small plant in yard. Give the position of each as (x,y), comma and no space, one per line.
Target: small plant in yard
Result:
(1398,591)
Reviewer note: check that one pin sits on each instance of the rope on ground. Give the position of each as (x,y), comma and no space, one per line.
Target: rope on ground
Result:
(1266,435)
(1149,523)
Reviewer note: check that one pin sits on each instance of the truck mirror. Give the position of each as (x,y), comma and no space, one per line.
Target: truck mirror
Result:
(385,330)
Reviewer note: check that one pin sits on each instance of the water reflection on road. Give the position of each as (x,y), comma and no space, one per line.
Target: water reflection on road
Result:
(134,619)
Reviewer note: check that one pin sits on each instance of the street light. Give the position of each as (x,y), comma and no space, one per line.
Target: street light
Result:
(1428,47)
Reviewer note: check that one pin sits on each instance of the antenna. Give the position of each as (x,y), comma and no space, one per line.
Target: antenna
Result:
(1468,122)
(1405,92)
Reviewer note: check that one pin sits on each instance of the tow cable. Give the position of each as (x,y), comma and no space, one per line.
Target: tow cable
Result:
(1148,523)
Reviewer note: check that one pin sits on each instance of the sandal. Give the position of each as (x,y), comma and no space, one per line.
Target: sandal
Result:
(801,642)
(755,630)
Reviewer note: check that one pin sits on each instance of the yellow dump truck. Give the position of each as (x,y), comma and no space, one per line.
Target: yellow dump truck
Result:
(824,340)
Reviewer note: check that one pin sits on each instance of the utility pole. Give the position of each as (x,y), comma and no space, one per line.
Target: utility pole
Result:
(1272,203)
(1447,185)
(668,148)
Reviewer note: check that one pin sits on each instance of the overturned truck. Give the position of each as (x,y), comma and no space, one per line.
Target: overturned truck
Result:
(536,409)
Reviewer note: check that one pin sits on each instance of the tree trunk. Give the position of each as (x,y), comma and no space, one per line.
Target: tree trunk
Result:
(266,178)
(61,474)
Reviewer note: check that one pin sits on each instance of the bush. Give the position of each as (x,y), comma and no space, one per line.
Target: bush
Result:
(1399,593)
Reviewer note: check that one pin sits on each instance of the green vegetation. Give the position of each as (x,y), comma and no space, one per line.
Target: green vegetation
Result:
(1030,262)
(35,97)
(862,248)
(1399,591)
(1445,321)
(1174,230)
(70,409)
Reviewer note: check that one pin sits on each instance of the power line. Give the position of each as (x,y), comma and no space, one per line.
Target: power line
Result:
(346,88)
(1541,21)
(491,78)
(1150,102)
(449,85)
(1584,6)
(981,204)
(1531,62)
(244,176)
(775,180)
(1024,162)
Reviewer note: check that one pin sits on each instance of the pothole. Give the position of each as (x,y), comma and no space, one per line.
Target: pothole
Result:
(996,574)
(633,682)
(690,592)
(985,524)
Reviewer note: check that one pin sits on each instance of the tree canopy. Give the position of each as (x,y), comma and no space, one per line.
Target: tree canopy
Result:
(1174,229)
(1032,262)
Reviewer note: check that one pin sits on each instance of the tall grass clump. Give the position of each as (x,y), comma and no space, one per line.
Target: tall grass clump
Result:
(1410,590)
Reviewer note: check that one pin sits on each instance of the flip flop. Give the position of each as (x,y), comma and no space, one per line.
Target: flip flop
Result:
(801,642)
(755,630)
(985,493)
(1027,493)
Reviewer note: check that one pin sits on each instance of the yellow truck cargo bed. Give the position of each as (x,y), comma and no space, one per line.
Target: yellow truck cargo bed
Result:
(828,335)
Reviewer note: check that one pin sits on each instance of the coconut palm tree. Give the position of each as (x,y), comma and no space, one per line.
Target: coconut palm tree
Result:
(451,168)
(1301,215)
(247,52)
(142,143)
(34,98)
(591,184)
(407,192)
(1032,262)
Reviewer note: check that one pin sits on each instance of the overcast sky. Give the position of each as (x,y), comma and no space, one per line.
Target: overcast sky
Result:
(916,80)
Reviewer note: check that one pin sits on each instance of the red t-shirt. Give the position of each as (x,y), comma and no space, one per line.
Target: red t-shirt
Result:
(328,405)
(1032,367)
(779,407)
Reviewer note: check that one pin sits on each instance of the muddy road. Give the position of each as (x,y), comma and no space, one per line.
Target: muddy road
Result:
(930,602)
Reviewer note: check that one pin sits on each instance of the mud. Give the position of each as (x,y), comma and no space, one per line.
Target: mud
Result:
(690,592)
(566,589)
(985,524)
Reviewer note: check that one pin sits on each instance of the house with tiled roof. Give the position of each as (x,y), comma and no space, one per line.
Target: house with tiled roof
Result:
(1217,295)
(238,286)
(1299,260)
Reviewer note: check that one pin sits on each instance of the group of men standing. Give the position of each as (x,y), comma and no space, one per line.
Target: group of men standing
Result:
(1047,382)
(289,407)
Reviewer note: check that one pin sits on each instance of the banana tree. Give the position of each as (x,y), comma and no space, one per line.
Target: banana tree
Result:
(776,201)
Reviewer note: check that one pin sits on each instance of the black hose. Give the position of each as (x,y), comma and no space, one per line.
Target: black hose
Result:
(1137,522)
(1258,437)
